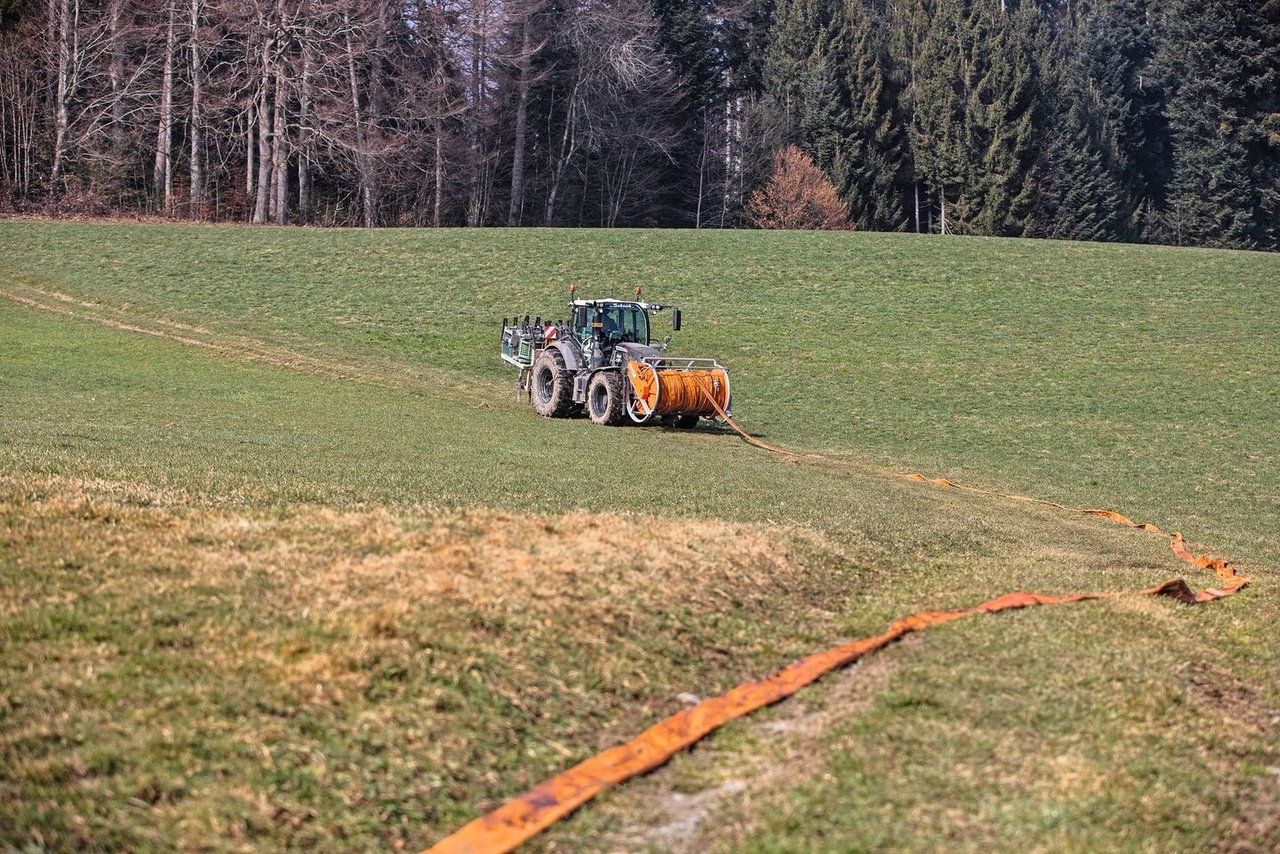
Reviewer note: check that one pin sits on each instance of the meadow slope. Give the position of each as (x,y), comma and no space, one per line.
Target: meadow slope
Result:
(285,564)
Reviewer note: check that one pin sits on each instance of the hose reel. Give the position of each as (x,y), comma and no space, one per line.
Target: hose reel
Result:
(688,387)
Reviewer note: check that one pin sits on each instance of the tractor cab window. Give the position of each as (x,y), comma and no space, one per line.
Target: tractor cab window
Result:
(626,323)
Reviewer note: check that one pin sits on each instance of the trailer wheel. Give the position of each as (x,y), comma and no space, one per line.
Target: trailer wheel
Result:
(552,385)
(686,422)
(605,403)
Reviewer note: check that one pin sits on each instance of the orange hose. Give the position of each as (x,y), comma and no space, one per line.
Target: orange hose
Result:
(720,411)
(527,815)
(1220,567)
(537,809)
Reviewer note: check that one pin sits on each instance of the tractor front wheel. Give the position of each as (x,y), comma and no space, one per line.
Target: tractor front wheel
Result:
(552,385)
(605,403)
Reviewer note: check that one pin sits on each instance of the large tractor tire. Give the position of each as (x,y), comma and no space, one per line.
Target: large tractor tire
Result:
(552,385)
(605,403)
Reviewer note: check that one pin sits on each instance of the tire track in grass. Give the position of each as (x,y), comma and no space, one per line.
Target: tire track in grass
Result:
(232,346)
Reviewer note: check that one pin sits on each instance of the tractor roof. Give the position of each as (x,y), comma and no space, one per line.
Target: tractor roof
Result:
(647,306)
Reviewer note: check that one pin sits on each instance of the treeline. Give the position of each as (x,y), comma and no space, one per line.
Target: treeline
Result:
(1148,120)
(1104,120)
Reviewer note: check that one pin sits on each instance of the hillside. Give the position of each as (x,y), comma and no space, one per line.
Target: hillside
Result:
(295,568)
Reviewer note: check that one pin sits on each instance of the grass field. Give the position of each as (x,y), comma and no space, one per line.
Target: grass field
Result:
(284,564)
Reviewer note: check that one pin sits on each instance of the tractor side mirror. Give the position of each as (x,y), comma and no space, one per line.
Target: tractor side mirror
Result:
(580,317)
(675,320)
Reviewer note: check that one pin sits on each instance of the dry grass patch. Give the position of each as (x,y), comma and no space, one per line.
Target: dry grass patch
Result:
(300,675)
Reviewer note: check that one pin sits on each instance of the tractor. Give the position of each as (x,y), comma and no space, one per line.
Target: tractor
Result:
(604,361)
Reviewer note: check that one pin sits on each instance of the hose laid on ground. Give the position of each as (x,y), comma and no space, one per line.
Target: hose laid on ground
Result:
(724,416)
(527,815)
(1176,542)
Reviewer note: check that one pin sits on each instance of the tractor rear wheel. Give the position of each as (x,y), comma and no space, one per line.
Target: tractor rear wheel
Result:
(552,385)
(605,402)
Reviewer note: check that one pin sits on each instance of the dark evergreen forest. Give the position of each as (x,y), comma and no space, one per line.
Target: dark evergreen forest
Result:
(1132,120)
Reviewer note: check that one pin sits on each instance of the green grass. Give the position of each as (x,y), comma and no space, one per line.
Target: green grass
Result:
(167,526)
(1139,376)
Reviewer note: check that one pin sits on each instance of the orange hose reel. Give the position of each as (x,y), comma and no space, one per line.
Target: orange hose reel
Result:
(677,390)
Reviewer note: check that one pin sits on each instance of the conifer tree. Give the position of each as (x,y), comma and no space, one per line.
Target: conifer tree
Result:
(1219,63)
(941,83)
(1081,199)
(688,38)
(742,39)
(823,130)
(874,186)
(1004,116)
(1116,46)
(794,41)
(906,24)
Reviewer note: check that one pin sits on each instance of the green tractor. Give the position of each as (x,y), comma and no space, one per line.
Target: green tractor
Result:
(604,361)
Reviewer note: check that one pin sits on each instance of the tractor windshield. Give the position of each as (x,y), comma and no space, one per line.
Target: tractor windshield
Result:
(626,323)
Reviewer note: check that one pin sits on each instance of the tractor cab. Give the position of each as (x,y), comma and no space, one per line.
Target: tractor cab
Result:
(616,321)
(608,330)
(600,332)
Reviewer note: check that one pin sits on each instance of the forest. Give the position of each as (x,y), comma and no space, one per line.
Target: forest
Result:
(1113,120)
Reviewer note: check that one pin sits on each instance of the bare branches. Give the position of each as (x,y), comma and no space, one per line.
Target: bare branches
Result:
(340,111)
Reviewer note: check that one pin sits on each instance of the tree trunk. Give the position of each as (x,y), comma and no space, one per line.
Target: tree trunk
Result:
(568,146)
(435,204)
(264,133)
(197,177)
(362,159)
(250,143)
(60,114)
(163,173)
(732,155)
(115,79)
(304,122)
(479,92)
(522,110)
(702,171)
(376,111)
(279,159)
(5,146)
